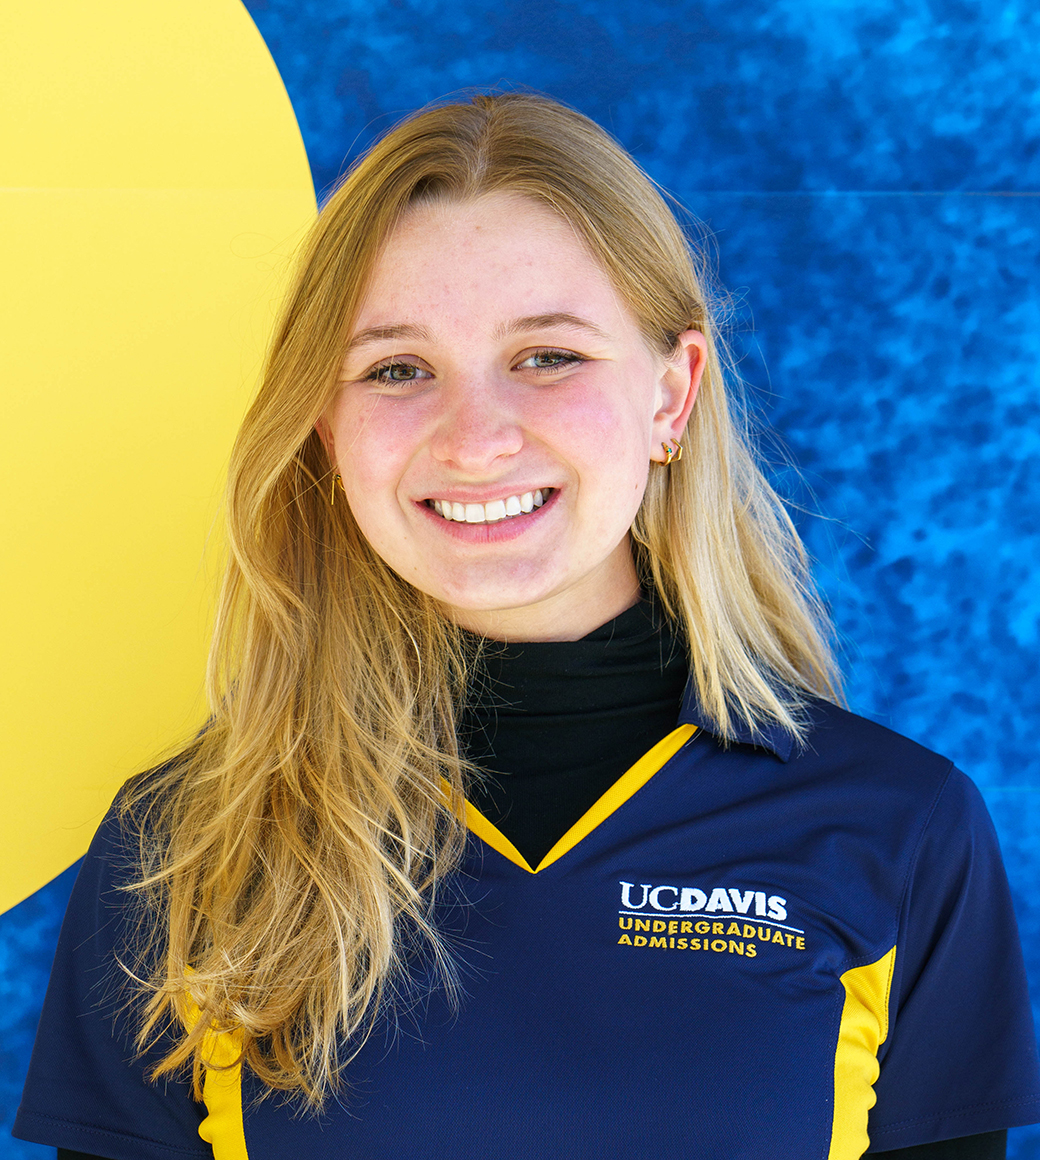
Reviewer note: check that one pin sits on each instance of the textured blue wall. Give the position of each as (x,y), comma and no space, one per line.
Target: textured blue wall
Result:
(871,171)
(28,936)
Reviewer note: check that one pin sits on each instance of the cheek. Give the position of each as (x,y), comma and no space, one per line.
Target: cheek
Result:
(372,448)
(610,431)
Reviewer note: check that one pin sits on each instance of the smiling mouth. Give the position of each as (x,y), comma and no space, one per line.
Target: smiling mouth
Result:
(491,513)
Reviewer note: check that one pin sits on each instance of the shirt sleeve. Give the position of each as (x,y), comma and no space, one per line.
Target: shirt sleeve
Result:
(961,1055)
(87,1088)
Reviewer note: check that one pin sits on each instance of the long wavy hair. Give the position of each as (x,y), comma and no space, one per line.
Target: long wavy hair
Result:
(290,856)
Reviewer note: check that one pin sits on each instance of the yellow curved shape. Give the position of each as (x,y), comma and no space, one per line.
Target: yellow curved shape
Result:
(224,1126)
(864,1027)
(154,185)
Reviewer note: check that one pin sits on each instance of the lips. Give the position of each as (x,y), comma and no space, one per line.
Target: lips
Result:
(493,512)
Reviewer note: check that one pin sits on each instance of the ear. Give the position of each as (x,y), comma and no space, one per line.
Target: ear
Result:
(678,391)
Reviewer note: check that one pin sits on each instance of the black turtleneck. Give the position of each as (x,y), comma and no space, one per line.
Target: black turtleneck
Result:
(555,724)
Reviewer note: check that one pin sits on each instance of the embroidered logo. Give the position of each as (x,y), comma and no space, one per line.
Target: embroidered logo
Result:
(664,917)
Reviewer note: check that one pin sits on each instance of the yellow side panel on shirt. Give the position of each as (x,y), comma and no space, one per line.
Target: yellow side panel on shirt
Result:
(223,1128)
(864,1027)
(153,188)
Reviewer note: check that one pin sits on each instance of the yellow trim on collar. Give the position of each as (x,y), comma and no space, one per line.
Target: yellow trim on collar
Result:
(615,797)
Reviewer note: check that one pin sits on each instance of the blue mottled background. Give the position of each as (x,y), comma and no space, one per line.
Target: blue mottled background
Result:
(870,170)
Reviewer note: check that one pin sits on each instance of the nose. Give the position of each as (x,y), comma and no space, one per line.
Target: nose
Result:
(476,427)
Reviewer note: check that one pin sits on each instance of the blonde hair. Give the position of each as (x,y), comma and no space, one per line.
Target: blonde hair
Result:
(291,854)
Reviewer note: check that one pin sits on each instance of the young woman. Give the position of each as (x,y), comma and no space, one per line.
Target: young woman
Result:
(525,824)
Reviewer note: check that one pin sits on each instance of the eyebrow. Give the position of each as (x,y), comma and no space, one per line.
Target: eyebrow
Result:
(384,333)
(550,322)
(529,322)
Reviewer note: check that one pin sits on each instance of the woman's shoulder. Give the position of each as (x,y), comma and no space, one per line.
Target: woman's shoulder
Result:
(848,741)
(873,771)
(88,1085)
(837,743)
(130,833)
(851,767)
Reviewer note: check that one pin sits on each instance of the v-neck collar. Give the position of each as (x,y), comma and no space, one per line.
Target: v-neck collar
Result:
(627,784)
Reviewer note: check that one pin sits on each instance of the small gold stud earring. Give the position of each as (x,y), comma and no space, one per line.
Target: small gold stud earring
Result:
(337,479)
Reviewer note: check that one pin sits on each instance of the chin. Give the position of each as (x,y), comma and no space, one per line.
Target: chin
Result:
(502,604)
(501,601)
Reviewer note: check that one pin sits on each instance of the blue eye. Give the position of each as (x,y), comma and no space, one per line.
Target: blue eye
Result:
(551,360)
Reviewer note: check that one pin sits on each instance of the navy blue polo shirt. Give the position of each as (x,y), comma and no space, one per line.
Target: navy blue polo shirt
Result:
(752,952)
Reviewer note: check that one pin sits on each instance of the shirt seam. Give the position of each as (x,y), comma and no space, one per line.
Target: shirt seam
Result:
(912,867)
(908,878)
(966,1111)
(107,1132)
(869,957)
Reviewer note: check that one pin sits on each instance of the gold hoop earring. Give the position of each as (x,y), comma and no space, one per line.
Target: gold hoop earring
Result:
(337,479)
(673,452)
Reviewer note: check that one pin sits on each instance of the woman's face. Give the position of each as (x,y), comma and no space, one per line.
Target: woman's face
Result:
(497,415)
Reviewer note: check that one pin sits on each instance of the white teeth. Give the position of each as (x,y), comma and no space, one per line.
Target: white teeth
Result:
(491,513)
